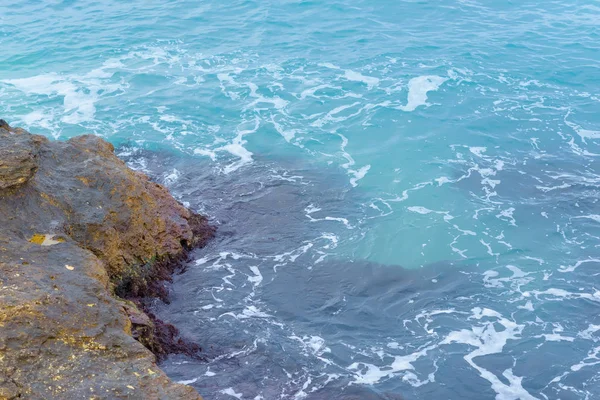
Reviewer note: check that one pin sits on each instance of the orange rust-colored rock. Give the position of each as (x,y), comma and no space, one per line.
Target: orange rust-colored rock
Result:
(83,240)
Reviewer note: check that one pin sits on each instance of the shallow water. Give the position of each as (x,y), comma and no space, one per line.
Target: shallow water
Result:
(406,192)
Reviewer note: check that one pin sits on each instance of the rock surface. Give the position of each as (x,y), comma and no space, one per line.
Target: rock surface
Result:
(83,240)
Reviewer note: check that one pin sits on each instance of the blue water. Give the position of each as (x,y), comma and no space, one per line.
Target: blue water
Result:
(406,191)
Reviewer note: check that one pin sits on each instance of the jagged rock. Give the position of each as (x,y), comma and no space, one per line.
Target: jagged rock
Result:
(80,233)
(18,157)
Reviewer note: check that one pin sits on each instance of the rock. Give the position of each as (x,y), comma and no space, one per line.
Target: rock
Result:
(4,125)
(84,241)
(18,158)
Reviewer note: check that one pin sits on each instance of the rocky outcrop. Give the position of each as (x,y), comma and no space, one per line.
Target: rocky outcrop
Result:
(83,241)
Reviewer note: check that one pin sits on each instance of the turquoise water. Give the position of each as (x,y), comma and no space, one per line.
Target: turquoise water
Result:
(407,192)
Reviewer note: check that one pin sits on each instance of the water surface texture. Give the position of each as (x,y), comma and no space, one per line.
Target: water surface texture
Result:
(406,191)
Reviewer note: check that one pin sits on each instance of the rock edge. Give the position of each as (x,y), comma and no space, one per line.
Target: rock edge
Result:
(84,241)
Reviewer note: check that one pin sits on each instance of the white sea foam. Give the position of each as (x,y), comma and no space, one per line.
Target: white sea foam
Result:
(442,180)
(478,151)
(311,209)
(236,148)
(461,252)
(528,306)
(405,192)
(418,88)
(331,237)
(330,117)
(536,259)
(257,278)
(314,345)
(555,294)
(80,93)
(427,317)
(43,84)
(588,333)
(592,357)
(225,78)
(229,391)
(189,382)
(547,189)
(420,210)
(39,118)
(287,134)
(414,381)
(487,340)
(277,102)
(207,153)
(488,247)
(518,278)
(301,394)
(358,77)
(358,174)
(555,337)
(369,374)
(311,91)
(425,211)
(573,267)
(171,177)
(329,65)
(508,215)
(583,133)
(593,217)
(517,272)
(291,256)
(78,106)
(248,312)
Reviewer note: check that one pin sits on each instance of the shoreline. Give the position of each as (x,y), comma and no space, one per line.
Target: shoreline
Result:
(86,245)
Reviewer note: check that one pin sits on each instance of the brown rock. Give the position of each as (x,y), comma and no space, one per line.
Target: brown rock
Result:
(18,158)
(78,229)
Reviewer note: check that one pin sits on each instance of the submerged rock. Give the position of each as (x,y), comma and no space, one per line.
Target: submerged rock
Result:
(83,241)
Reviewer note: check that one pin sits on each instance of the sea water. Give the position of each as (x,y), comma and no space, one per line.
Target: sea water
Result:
(406,191)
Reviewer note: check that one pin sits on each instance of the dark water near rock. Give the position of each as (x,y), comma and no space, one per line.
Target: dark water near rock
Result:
(280,315)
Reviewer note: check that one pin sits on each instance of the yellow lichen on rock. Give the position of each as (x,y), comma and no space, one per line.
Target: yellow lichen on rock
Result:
(37,239)
(46,240)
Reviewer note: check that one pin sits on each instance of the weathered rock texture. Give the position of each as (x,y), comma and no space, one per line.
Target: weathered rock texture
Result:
(79,233)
